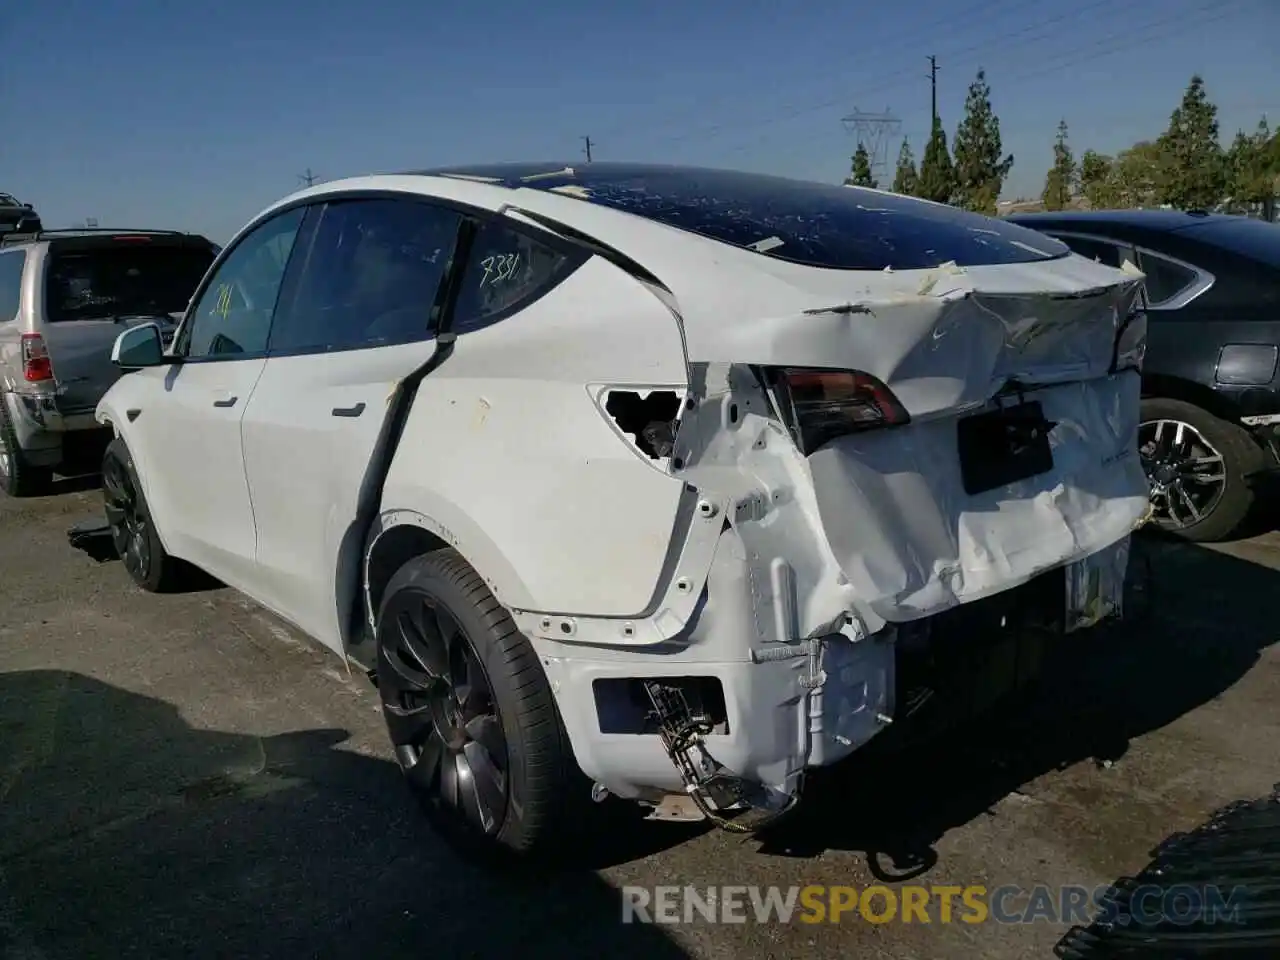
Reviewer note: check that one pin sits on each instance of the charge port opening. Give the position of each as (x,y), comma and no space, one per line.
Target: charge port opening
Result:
(623,705)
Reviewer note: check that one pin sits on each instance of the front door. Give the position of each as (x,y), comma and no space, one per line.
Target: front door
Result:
(190,433)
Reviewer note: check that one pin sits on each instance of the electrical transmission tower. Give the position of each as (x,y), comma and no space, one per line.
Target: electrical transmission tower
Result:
(308,178)
(874,132)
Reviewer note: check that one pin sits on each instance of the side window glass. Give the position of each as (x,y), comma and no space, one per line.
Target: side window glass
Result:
(507,270)
(11,265)
(372,277)
(233,316)
(1165,279)
(1108,254)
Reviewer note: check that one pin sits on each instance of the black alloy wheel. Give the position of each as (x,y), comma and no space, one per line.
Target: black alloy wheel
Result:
(1201,470)
(441,713)
(133,529)
(130,525)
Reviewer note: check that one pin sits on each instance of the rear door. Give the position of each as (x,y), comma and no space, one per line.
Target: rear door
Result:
(361,318)
(94,287)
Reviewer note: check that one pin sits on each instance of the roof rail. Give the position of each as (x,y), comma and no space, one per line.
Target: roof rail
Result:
(32,236)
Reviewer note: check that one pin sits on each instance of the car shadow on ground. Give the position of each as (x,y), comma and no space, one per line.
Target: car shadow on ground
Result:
(124,831)
(1209,892)
(92,537)
(1201,623)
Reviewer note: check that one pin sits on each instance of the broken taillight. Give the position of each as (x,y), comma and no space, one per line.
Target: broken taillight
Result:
(825,404)
(36,365)
(1131,341)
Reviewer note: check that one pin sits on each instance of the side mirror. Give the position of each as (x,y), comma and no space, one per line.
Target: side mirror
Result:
(138,346)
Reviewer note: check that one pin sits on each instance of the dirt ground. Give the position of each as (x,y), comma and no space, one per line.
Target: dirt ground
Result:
(183,777)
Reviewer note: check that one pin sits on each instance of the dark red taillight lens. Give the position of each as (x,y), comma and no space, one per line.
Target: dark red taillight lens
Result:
(1131,341)
(36,365)
(825,404)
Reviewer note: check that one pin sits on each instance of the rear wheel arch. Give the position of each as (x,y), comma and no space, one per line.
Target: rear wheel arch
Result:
(401,535)
(391,549)
(1163,387)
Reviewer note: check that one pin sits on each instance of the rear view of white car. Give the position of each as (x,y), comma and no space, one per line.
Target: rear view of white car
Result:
(658,482)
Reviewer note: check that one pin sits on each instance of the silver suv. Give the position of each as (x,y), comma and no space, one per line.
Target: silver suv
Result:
(64,297)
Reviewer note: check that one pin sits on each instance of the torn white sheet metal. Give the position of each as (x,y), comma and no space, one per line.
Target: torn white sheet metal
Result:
(912,542)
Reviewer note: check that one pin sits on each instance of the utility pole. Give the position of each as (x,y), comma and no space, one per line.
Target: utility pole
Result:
(587,148)
(933,85)
(307,178)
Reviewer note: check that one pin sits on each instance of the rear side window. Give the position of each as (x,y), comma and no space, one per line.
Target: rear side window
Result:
(371,277)
(507,270)
(1165,278)
(814,224)
(122,278)
(1108,254)
(11,265)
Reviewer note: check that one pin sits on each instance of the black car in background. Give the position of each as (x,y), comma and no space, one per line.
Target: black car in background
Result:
(16,217)
(1211,387)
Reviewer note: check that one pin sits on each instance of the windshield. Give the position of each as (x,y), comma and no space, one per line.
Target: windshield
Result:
(1255,239)
(815,224)
(106,282)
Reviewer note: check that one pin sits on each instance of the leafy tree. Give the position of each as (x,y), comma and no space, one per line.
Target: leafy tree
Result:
(1139,175)
(937,176)
(1195,176)
(1097,181)
(1060,182)
(861,175)
(1253,169)
(980,170)
(905,179)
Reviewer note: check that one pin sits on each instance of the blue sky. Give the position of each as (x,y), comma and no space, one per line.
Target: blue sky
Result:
(195,114)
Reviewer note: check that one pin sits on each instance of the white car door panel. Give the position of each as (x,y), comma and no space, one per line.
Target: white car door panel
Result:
(309,437)
(359,322)
(199,492)
(190,427)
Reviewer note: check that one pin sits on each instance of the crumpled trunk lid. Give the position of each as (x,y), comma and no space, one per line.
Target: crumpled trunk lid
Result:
(911,528)
(946,339)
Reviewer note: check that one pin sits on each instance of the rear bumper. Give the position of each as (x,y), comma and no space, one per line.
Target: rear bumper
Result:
(40,424)
(812,704)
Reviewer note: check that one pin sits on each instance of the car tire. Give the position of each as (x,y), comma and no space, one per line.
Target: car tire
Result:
(133,532)
(1242,461)
(18,478)
(471,716)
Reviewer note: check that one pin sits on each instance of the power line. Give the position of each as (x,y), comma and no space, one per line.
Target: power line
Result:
(991,44)
(966,19)
(893,81)
(1123,39)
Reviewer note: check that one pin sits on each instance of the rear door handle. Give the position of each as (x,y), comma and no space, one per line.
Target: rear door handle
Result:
(349,411)
(226,402)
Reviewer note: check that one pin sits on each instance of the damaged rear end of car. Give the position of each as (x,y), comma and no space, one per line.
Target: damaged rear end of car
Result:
(901,486)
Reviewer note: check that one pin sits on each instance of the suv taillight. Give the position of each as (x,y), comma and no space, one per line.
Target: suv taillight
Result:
(825,404)
(36,365)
